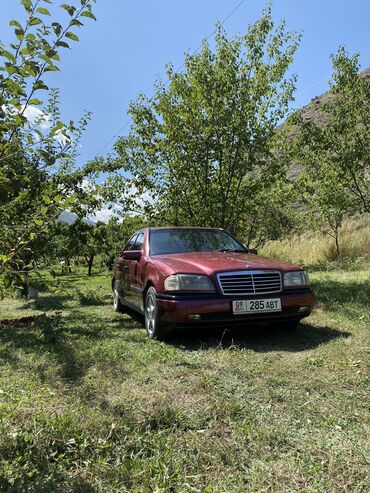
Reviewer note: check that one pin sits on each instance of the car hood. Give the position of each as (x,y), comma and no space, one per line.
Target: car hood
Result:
(211,262)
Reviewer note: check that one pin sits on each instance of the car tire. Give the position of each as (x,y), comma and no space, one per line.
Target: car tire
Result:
(117,304)
(153,325)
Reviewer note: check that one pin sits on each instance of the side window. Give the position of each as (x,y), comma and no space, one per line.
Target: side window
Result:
(131,243)
(139,242)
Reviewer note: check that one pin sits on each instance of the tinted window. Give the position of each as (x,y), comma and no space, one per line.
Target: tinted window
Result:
(191,240)
(139,242)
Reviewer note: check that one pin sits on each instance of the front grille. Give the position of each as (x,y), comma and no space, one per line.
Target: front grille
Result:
(250,282)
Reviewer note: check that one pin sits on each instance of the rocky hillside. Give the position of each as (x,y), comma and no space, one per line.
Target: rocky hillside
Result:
(312,112)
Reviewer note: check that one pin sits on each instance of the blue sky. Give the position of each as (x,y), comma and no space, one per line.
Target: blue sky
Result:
(124,52)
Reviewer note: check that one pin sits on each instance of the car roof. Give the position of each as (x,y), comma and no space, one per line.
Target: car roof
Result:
(182,227)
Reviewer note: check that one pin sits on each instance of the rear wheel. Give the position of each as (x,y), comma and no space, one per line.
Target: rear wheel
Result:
(153,325)
(117,305)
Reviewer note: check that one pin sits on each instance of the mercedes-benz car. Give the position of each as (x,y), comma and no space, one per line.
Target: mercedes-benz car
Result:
(181,277)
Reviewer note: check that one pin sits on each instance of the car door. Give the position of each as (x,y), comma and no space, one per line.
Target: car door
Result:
(125,269)
(135,273)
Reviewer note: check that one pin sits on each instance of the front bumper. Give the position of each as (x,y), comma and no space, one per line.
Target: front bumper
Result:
(216,309)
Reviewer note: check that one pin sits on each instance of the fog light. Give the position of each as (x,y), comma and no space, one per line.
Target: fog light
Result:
(303,309)
(194,316)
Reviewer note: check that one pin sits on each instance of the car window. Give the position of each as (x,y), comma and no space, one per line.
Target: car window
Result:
(139,242)
(131,243)
(183,240)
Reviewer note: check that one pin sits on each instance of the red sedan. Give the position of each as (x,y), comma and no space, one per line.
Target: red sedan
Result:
(203,276)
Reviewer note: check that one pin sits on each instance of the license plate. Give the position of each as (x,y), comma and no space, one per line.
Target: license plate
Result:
(256,306)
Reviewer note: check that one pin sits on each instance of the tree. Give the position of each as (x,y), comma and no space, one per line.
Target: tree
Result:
(201,150)
(89,239)
(37,150)
(334,151)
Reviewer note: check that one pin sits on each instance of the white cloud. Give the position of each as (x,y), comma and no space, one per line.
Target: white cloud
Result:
(102,215)
(37,117)
(62,138)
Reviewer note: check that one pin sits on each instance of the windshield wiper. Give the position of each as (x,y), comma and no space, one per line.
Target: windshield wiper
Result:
(231,250)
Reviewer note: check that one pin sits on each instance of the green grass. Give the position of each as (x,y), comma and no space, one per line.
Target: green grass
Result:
(89,404)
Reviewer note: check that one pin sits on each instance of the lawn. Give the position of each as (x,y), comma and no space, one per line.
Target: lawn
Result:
(89,404)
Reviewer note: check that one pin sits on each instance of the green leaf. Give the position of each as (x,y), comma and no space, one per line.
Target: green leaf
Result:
(87,13)
(40,85)
(63,44)
(45,58)
(53,54)
(57,28)
(75,22)
(19,33)
(27,4)
(15,23)
(35,102)
(34,21)
(69,8)
(72,36)
(52,68)
(11,69)
(39,222)
(42,10)
(9,56)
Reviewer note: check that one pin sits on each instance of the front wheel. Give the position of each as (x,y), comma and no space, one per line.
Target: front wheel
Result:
(153,325)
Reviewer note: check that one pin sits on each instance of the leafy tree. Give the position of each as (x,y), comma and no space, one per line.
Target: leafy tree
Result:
(90,240)
(37,150)
(63,244)
(334,151)
(201,150)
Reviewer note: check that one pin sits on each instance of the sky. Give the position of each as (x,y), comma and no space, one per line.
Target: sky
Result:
(125,51)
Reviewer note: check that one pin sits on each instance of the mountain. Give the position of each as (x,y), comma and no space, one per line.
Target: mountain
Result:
(70,217)
(312,112)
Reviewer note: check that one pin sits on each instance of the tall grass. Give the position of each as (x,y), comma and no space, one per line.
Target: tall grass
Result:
(313,248)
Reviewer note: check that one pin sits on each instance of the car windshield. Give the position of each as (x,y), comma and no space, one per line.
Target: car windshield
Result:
(192,240)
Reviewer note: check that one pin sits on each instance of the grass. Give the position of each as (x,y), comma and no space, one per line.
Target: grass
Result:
(318,248)
(89,404)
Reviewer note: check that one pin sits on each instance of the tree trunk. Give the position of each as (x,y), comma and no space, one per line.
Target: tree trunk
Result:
(90,262)
(337,242)
(68,263)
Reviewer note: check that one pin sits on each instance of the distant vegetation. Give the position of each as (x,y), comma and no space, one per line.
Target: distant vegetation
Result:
(315,248)
(209,148)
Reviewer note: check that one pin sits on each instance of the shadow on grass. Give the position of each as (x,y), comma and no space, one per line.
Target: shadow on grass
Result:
(51,302)
(259,339)
(45,337)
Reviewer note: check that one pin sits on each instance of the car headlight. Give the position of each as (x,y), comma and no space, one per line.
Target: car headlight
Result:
(296,278)
(188,282)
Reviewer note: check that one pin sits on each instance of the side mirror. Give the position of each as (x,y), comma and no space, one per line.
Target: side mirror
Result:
(132,255)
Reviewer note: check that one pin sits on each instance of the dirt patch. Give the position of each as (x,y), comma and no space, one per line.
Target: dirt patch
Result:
(23,321)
